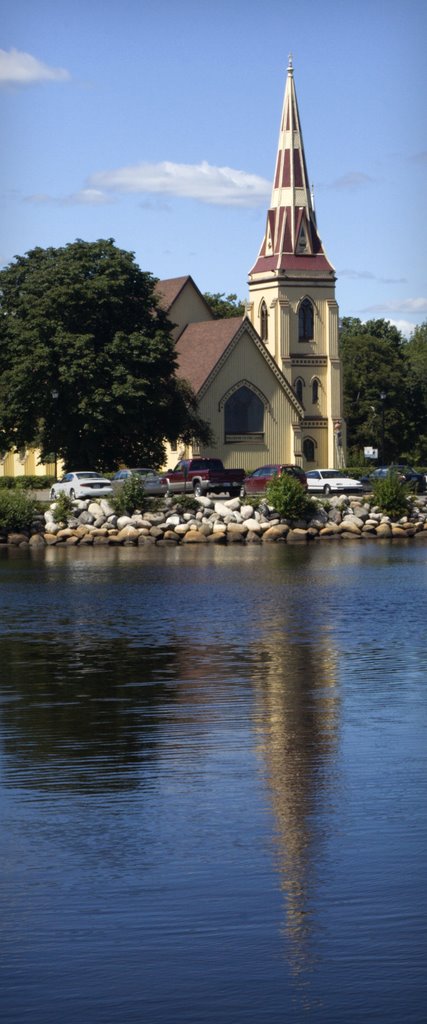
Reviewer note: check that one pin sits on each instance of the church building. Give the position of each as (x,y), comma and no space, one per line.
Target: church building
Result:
(270,384)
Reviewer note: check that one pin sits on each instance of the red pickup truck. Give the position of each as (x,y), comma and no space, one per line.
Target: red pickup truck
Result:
(203,476)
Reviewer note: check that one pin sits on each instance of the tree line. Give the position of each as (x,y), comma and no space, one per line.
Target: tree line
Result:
(88,366)
(385,390)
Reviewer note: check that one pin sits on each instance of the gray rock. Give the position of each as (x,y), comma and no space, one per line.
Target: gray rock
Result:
(86,518)
(123,521)
(253,526)
(95,509)
(334,515)
(106,507)
(352,520)
(205,502)
(222,509)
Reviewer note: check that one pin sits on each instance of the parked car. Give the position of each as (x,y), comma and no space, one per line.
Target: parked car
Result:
(154,484)
(404,473)
(82,484)
(203,476)
(256,482)
(325,481)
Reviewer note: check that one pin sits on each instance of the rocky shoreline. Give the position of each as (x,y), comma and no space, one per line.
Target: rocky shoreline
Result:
(219,522)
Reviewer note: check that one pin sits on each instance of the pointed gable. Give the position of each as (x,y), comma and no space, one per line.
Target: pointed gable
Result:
(183,302)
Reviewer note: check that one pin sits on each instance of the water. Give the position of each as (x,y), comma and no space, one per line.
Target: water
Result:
(213,770)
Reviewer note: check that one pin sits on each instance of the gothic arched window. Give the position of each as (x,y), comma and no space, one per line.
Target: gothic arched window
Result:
(308,449)
(299,384)
(315,391)
(264,321)
(243,413)
(306,321)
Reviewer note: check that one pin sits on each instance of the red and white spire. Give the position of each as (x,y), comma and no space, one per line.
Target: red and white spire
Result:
(291,241)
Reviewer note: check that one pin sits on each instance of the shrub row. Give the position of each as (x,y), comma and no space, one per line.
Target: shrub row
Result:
(26,483)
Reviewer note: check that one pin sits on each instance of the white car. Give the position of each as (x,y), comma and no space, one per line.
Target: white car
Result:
(84,484)
(324,481)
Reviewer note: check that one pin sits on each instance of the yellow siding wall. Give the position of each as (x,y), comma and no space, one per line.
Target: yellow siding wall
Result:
(13,465)
(188,308)
(246,364)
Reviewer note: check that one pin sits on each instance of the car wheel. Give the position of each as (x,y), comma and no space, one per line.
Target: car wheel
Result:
(72,493)
(52,494)
(326,489)
(198,492)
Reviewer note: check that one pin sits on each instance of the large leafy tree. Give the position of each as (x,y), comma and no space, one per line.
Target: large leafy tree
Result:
(374,364)
(87,362)
(224,306)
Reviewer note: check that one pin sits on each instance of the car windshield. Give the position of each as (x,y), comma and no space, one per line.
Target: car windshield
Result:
(88,476)
(329,474)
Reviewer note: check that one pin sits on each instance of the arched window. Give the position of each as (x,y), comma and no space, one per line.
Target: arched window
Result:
(308,449)
(305,321)
(315,391)
(243,413)
(299,385)
(264,321)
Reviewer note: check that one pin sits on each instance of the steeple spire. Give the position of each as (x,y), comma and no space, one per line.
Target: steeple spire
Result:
(291,242)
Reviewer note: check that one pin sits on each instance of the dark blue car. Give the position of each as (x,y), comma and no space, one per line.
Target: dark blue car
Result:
(405,474)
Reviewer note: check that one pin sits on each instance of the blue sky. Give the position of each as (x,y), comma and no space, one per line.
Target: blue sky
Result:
(156,124)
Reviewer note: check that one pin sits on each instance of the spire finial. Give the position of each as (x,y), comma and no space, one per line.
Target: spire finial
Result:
(290,65)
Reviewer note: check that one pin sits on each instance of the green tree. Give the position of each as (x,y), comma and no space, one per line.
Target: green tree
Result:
(289,498)
(415,352)
(83,322)
(373,362)
(224,306)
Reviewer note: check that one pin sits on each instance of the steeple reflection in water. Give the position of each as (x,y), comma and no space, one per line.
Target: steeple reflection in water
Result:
(297,721)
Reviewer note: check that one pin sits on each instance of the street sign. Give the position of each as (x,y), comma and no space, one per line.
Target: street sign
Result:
(370,453)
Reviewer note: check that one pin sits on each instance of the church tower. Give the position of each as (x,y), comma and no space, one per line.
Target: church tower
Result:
(292,297)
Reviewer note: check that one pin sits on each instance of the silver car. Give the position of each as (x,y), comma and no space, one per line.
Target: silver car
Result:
(82,484)
(154,484)
(324,481)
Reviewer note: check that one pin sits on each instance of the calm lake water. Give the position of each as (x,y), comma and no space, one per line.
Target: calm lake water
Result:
(213,785)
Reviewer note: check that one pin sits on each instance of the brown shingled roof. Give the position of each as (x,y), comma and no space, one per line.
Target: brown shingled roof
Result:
(201,345)
(168,290)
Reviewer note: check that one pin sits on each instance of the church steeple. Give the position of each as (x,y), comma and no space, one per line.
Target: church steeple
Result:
(292,300)
(291,241)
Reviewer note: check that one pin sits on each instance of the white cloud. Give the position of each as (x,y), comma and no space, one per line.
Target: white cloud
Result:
(366,275)
(221,186)
(405,326)
(352,180)
(416,306)
(86,197)
(18,68)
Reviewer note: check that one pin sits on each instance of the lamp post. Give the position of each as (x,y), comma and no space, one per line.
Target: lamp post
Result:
(383,396)
(55,395)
